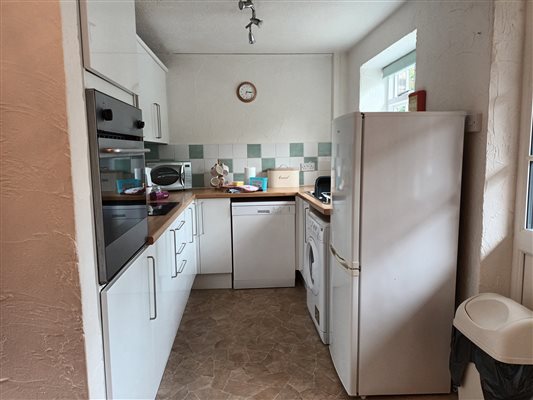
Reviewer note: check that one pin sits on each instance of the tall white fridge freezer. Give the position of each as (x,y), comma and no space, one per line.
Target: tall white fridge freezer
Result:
(396,186)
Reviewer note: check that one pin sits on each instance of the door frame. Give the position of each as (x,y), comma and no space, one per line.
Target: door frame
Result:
(523,238)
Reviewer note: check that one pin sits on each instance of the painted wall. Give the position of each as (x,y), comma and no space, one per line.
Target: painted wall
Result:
(457,67)
(41,331)
(293,104)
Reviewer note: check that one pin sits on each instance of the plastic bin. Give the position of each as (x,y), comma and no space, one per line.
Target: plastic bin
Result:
(492,349)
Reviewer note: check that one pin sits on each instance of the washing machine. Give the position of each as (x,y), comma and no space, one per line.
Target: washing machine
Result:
(316,272)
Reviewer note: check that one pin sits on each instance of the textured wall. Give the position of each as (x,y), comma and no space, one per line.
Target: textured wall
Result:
(502,147)
(293,104)
(41,336)
(453,64)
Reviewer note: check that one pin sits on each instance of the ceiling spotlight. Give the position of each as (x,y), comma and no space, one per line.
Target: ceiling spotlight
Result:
(251,38)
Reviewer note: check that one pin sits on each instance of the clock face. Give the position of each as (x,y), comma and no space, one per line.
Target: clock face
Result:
(246,92)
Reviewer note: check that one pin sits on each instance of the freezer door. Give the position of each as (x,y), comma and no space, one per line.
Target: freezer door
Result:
(411,186)
(343,311)
(346,162)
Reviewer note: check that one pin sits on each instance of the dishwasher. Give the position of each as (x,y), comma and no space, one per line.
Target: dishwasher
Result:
(263,244)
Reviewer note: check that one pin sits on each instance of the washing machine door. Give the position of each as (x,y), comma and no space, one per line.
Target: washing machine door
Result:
(312,267)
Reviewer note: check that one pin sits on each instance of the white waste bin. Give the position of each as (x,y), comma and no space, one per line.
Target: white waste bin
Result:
(501,328)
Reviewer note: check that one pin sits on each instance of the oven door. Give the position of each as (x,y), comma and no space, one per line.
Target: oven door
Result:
(122,226)
(169,176)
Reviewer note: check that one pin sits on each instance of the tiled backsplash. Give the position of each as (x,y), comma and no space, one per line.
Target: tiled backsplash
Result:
(238,156)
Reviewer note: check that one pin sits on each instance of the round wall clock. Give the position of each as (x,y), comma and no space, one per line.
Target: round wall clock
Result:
(246,92)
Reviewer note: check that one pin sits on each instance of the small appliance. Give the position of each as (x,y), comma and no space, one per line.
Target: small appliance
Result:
(171,175)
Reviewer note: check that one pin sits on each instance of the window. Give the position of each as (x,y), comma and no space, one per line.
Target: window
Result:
(400,81)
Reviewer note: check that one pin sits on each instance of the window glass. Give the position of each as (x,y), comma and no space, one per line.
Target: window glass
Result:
(399,85)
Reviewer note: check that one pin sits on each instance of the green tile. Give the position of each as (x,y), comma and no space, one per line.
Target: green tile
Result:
(196,151)
(198,180)
(296,150)
(228,162)
(301,178)
(254,151)
(324,149)
(154,151)
(313,160)
(268,163)
(238,177)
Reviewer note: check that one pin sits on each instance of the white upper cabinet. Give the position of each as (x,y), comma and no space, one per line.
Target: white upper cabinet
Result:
(152,94)
(109,41)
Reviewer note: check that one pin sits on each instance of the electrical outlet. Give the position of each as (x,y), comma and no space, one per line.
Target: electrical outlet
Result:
(473,122)
(308,166)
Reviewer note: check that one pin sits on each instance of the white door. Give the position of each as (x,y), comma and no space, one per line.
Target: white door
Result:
(214,230)
(345,175)
(128,310)
(522,283)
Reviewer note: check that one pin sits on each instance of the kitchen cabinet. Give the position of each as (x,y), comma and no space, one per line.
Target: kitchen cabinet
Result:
(142,310)
(214,233)
(302,209)
(128,308)
(152,94)
(109,41)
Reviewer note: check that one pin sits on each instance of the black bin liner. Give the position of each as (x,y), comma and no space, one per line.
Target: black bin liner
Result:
(499,381)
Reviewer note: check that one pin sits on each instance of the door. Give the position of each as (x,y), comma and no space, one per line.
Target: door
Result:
(346,150)
(214,230)
(522,283)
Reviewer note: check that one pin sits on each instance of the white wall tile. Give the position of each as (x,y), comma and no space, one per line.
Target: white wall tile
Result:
(240,150)
(225,151)
(283,162)
(324,163)
(268,150)
(210,150)
(295,162)
(310,177)
(208,163)
(182,152)
(239,164)
(255,162)
(282,150)
(197,166)
(310,149)
(167,152)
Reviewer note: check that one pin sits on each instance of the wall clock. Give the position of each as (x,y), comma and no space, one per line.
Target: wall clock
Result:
(246,92)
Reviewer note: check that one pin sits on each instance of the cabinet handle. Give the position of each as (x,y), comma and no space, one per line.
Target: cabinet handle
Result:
(305,224)
(155,289)
(182,266)
(192,223)
(180,225)
(181,248)
(175,260)
(202,213)
(159,134)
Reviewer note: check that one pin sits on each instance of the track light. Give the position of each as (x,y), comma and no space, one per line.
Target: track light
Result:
(253,21)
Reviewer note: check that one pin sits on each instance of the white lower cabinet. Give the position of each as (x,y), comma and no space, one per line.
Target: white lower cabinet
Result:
(142,309)
(214,233)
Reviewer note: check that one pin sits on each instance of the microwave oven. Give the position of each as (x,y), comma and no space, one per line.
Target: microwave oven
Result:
(170,175)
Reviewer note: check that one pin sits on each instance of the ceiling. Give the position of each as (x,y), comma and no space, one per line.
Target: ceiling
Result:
(292,26)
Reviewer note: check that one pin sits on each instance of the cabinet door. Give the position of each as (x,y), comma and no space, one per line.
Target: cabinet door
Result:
(109,41)
(215,236)
(152,94)
(128,308)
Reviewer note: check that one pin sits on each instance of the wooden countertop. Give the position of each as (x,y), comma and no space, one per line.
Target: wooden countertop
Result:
(159,224)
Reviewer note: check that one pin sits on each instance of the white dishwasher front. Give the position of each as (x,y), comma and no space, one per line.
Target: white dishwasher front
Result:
(263,244)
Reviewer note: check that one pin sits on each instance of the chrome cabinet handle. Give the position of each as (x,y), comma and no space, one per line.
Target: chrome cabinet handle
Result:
(114,150)
(159,121)
(175,269)
(181,248)
(202,213)
(155,289)
(182,266)
(180,225)
(192,227)
(305,224)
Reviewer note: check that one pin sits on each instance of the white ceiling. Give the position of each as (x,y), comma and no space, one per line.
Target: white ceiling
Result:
(293,26)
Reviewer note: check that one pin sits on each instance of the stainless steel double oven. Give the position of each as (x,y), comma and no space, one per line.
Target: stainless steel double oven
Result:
(117,169)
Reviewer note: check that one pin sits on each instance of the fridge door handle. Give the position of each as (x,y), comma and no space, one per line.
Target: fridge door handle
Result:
(343,263)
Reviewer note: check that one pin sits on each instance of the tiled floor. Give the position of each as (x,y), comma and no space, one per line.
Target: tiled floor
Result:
(251,344)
